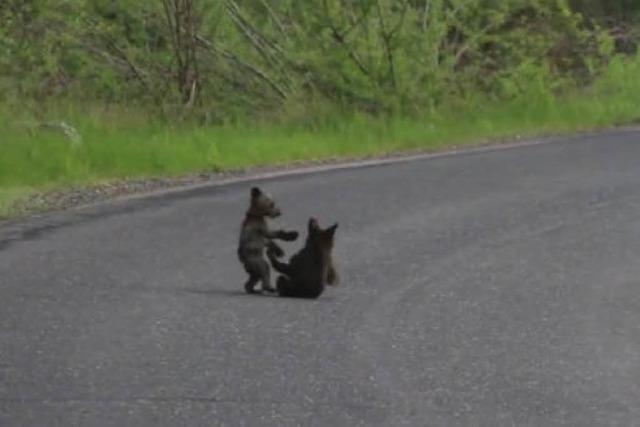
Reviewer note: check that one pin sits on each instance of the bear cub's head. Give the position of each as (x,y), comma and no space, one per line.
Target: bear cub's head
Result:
(262,204)
(319,238)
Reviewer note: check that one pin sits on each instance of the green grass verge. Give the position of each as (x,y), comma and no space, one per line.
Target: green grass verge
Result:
(118,144)
(9,198)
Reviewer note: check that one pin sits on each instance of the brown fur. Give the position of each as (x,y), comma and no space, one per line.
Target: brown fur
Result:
(255,235)
(308,271)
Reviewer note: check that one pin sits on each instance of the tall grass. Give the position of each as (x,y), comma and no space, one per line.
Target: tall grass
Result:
(121,143)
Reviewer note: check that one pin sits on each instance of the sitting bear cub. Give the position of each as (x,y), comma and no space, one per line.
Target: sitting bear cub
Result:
(308,271)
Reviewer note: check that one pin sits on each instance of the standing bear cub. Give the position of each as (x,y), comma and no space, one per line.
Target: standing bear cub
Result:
(255,235)
(308,271)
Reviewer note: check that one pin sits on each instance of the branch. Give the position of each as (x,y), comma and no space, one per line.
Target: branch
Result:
(425,14)
(386,38)
(274,17)
(254,70)
(174,30)
(259,42)
(138,72)
(340,38)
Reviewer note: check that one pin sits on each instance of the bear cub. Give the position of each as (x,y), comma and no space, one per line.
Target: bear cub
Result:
(255,236)
(309,270)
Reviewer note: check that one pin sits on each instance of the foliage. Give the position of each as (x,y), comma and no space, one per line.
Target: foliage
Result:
(221,61)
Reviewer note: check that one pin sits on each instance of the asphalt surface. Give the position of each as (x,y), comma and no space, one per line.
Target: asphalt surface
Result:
(495,288)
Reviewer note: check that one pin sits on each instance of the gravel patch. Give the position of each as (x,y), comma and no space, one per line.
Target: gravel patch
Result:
(79,195)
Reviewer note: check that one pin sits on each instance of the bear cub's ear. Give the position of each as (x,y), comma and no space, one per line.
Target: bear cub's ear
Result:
(313,224)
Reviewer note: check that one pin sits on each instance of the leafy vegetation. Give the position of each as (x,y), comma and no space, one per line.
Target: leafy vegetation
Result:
(92,90)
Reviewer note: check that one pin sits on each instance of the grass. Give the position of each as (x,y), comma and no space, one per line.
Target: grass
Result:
(117,143)
(9,197)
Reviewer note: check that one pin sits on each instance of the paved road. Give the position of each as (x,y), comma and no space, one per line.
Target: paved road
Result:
(495,288)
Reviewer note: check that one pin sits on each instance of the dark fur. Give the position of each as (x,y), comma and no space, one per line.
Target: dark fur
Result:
(308,271)
(255,235)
